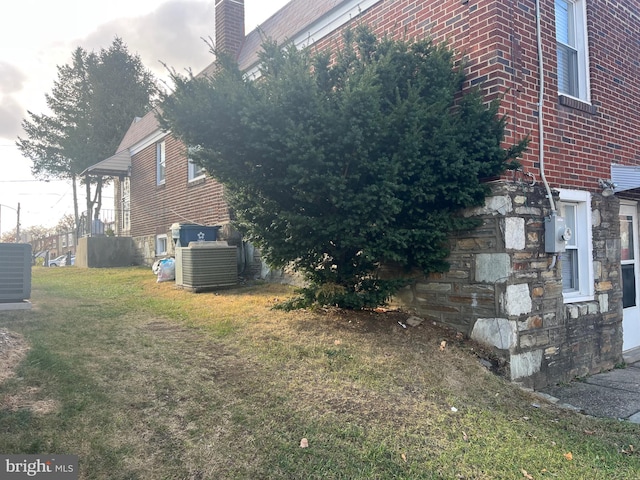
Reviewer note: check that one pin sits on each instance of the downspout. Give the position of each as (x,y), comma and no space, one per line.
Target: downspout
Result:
(540,111)
(552,204)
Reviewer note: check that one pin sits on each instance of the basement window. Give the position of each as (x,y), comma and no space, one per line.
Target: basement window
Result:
(161,245)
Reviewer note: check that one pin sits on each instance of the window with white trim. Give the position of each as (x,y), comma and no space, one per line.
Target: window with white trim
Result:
(577,260)
(195,172)
(161,245)
(160,162)
(571,38)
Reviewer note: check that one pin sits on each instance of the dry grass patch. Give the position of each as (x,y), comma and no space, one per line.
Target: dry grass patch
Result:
(27,399)
(13,348)
(153,382)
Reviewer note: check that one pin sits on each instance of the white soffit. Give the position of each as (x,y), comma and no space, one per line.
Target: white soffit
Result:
(148,141)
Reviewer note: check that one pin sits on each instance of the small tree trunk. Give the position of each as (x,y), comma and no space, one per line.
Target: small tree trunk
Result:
(87,185)
(76,214)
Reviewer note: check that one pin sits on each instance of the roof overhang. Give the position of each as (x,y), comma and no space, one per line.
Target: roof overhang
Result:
(117,165)
(625,177)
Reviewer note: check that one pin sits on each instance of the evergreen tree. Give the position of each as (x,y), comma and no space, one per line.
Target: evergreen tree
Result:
(338,166)
(92,103)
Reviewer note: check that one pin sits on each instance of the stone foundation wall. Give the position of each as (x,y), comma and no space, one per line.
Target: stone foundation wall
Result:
(504,290)
(146,249)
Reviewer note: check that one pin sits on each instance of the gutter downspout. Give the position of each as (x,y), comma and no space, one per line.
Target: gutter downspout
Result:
(540,111)
(552,204)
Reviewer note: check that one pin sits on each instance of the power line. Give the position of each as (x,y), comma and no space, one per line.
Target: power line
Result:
(30,181)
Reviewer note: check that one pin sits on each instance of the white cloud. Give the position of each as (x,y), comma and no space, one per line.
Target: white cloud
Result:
(11,114)
(172,35)
(12,79)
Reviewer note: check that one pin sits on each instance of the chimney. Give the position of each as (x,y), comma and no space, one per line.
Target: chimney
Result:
(229,15)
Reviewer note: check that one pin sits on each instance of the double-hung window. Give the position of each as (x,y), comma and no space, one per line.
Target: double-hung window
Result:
(571,38)
(577,260)
(160,163)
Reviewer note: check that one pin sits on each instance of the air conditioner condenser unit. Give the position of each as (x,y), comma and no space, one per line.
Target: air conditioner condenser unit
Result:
(206,266)
(15,273)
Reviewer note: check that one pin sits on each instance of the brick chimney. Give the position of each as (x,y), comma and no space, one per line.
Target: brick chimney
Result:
(229,16)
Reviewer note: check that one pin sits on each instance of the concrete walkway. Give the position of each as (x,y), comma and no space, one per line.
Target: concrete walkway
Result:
(614,394)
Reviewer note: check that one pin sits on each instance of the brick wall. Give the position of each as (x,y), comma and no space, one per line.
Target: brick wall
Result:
(498,39)
(155,208)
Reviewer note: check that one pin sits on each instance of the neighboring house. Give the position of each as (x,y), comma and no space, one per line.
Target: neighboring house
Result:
(565,72)
(56,244)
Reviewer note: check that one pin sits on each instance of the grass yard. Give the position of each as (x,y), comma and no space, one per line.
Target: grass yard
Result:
(145,381)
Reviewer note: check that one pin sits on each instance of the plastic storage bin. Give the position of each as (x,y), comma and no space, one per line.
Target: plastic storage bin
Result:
(185,233)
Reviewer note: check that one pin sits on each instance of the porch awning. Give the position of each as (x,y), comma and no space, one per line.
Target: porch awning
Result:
(625,177)
(115,166)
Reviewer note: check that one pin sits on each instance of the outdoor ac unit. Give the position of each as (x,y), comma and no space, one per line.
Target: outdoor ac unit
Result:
(15,272)
(206,265)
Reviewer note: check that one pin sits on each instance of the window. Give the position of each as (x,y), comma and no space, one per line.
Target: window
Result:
(160,162)
(195,172)
(577,264)
(161,245)
(571,38)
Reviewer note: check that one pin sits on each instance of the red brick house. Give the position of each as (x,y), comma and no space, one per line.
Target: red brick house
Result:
(550,279)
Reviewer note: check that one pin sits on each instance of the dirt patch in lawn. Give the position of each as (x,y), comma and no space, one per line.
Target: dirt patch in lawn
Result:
(388,322)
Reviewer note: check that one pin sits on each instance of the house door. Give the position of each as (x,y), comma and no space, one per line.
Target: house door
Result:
(630,280)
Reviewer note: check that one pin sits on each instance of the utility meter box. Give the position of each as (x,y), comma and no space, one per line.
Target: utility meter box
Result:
(556,234)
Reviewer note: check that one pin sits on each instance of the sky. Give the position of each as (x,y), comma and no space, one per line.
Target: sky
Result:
(36,36)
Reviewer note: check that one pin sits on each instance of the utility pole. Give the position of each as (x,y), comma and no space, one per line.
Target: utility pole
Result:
(18,225)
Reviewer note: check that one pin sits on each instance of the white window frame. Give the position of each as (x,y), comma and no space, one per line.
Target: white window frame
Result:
(583,236)
(577,25)
(161,245)
(161,162)
(195,172)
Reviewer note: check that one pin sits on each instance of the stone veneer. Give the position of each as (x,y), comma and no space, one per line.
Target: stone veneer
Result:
(504,290)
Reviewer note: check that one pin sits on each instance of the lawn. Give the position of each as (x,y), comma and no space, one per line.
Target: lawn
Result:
(145,381)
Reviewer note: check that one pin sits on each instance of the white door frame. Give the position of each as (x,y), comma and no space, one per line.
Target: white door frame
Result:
(631,314)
